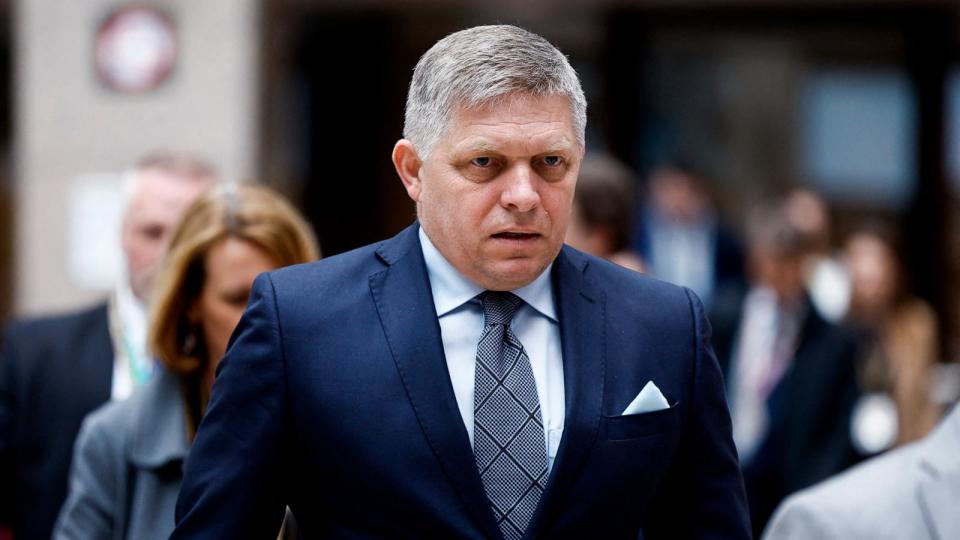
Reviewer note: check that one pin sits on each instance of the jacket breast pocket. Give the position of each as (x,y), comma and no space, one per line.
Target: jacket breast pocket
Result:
(635,426)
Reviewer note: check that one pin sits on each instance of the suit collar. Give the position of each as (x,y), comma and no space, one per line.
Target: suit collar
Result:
(402,294)
(160,426)
(939,487)
(394,249)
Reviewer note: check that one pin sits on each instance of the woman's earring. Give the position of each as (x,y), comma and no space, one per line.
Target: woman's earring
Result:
(190,342)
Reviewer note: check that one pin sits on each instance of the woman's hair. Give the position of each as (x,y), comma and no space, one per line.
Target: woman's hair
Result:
(250,213)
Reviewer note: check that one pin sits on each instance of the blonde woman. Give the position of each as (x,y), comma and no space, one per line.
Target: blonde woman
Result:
(128,459)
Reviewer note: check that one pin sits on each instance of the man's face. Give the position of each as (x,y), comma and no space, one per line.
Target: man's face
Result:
(495,193)
(677,195)
(781,273)
(154,209)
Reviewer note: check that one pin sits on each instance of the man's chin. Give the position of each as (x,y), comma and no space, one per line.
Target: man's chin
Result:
(510,274)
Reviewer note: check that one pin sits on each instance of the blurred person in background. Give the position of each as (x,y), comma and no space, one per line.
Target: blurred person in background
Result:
(680,237)
(826,278)
(603,211)
(56,369)
(898,345)
(790,374)
(909,493)
(128,460)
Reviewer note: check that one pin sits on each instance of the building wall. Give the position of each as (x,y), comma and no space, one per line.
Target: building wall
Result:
(68,124)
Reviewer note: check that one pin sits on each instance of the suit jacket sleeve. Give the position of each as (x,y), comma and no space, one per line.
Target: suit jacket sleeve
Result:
(233,482)
(88,512)
(703,494)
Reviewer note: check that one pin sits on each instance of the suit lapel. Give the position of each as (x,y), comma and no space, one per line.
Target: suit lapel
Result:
(939,487)
(403,298)
(582,315)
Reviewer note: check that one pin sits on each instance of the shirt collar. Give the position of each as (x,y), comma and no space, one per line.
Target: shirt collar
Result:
(131,309)
(451,289)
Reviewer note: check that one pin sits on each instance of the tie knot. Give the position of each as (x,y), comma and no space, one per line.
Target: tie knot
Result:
(499,307)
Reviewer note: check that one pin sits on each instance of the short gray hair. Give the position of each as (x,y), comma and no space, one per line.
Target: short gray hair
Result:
(478,66)
(173,163)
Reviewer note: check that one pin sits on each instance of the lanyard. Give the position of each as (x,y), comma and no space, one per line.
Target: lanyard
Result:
(139,368)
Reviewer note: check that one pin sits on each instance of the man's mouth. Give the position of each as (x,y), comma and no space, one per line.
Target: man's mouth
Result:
(510,235)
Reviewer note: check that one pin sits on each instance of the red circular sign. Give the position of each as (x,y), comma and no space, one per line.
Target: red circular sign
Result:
(136,49)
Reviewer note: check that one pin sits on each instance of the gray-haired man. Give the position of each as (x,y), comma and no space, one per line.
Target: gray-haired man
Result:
(471,377)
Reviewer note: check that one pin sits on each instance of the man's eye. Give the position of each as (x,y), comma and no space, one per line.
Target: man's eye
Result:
(152,232)
(552,161)
(482,161)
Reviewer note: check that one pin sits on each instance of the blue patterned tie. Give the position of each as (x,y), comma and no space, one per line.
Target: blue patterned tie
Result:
(509,445)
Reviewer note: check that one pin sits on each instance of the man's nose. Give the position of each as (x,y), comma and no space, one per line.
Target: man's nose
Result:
(520,189)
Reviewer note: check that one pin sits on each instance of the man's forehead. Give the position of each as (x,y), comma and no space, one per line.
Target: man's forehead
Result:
(158,183)
(159,193)
(545,141)
(542,121)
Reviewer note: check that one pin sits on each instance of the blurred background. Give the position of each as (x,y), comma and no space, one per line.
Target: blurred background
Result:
(859,101)
(794,162)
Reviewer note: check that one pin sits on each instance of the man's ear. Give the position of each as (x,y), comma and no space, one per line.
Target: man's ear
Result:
(408,165)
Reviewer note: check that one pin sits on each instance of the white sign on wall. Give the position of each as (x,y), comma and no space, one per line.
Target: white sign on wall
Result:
(859,141)
(94,208)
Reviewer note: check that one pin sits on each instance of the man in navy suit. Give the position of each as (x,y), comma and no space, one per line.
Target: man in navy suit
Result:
(471,377)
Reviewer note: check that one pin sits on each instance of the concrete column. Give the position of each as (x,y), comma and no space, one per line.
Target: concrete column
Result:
(68,124)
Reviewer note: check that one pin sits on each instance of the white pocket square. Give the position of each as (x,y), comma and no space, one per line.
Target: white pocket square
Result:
(649,399)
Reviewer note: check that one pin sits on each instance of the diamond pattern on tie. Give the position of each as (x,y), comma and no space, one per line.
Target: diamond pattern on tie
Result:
(509,445)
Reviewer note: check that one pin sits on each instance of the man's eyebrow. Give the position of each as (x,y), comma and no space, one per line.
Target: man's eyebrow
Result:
(561,148)
(555,146)
(478,146)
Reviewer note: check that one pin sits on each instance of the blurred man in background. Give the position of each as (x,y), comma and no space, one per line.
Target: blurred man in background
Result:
(603,211)
(790,374)
(56,369)
(680,238)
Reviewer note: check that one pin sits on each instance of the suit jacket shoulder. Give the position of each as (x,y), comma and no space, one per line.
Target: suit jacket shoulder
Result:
(60,324)
(53,371)
(41,341)
(873,500)
(910,492)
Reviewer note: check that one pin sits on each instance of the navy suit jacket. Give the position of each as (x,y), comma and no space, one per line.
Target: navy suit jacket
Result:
(334,398)
(53,371)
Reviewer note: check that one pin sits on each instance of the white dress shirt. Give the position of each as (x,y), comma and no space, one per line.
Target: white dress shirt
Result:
(535,324)
(682,253)
(762,353)
(132,364)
